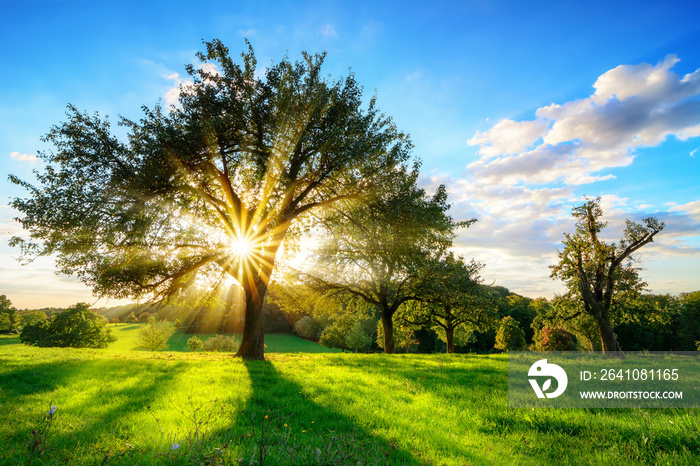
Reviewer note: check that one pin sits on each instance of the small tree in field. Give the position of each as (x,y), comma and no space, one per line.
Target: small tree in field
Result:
(115,320)
(131,318)
(596,273)
(510,337)
(144,317)
(155,335)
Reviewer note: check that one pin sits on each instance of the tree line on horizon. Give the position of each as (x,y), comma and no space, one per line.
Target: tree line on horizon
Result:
(220,189)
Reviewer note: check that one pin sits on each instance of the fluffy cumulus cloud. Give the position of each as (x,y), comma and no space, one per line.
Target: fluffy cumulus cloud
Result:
(632,106)
(172,95)
(529,174)
(29,158)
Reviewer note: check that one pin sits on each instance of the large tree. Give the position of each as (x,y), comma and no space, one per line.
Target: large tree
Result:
(596,273)
(206,190)
(378,249)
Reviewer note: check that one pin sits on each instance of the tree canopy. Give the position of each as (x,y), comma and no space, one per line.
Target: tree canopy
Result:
(597,273)
(378,249)
(206,190)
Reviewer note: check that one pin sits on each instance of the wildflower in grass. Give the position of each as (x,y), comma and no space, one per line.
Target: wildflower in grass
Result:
(175,446)
(52,410)
(266,416)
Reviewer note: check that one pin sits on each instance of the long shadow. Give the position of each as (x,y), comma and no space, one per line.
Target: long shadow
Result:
(103,413)
(292,429)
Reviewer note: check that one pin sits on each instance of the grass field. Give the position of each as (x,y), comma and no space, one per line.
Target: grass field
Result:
(127,339)
(129,407)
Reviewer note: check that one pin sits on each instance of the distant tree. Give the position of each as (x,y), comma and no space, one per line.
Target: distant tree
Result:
(115,320)
(76,327)
(595,272)
(155,335)
(553,339)
(510,337)
(377,250)
(9,320)
(131,318)
(452,300)
(144,317)
(209,189)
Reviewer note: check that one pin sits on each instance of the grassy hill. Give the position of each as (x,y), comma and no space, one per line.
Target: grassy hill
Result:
(128,407)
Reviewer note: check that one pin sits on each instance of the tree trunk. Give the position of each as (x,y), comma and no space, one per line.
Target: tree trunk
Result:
(388,325)
(608,340)
(450,334)
(253,339)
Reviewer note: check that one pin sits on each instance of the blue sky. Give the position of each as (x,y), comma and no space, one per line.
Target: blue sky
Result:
(520,108)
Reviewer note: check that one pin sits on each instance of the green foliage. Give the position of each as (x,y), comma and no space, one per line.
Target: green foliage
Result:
(131,318)
(154,336)
(358,338)
(26,317)
(221,343)
(554,339)
(9,320)
(689,320)
(115,320)
(195,344)
(510,337)
(76,327)
(404,337)
(377,250)
(144,317)
(309,328)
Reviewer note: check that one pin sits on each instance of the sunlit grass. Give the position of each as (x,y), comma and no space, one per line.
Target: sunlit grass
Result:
(128,334)
(132,407)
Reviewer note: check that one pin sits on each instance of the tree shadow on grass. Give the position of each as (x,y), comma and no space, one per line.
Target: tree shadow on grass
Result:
(113,391)
(281,425)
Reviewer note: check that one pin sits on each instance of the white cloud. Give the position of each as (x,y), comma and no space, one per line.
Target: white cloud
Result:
(633,106)
(29,158)
(172,95)
(329,31)
(508,137)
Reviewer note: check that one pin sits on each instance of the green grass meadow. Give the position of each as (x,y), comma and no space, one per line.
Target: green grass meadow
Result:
(127,339)
(120,406)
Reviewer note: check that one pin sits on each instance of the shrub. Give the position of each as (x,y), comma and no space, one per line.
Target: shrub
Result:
(115,320)
(131,318)
(76,327)
(144,316)
(155,335)
(510,337)
(309,328)
(554,339)
(222,343)
(194,343)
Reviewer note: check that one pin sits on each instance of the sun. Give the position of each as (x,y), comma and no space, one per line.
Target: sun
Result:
(241,247)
